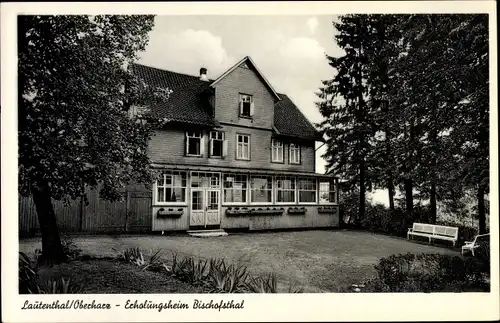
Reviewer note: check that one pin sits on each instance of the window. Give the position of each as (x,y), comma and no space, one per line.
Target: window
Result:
(235,188)
(243,147)
(246,105)
(208,180)
(307,190)
(218,147)
(294,154)
(327,191)
(171,188)
(277,151)
(261,188)
(285,189)
(194,143)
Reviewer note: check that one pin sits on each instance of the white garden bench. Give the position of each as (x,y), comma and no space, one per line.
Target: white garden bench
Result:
(471,245)
(434,232)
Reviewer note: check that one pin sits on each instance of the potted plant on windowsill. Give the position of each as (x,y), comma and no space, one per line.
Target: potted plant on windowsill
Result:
(169,213)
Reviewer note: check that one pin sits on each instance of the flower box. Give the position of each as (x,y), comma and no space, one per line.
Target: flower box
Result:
(328,209)
(237,211)
(169,213)
(267,211)
(297,210)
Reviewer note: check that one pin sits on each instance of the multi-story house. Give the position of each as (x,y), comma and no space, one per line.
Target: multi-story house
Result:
(234,153)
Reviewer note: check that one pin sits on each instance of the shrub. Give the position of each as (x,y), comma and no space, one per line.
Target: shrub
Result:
(425,273)
(59,286)
(194,272)
(28,275)
(70,249)
(136,257)
(224,278)
(263,284)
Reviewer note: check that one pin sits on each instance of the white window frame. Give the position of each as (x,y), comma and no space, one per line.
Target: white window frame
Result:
(203,174)
(315,181)
(199,135)
(164,185)
(251,189)
(247,189)
(278,147)
(217,136)
(294,151)
(241,145)
(330,190)
(294,190)
(246,98)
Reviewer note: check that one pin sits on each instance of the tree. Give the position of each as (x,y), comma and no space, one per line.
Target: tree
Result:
(344,107)
(74,128)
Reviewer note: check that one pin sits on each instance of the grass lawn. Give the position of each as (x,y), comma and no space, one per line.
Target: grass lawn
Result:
(113,277)
(317,261)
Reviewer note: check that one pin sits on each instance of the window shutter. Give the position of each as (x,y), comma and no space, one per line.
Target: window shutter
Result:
(241,107)
(211,147)
(202,145)
(251,109)
(186,144)
(224,148)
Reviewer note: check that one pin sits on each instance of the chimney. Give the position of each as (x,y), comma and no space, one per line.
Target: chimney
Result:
(203,74)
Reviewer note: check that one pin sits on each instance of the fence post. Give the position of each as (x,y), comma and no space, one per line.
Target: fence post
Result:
(127,208)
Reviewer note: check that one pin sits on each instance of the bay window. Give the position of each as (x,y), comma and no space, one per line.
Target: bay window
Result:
(327,192)
(171,188)
(261,189)
(285,189)
(307,190)
(235,188)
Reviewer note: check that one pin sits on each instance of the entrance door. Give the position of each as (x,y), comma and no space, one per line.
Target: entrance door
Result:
(197,207)
(212,208)
(205,207)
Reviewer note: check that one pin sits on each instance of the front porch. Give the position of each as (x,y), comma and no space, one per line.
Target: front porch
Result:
(193,198)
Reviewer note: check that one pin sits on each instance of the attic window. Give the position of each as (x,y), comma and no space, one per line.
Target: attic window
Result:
(244,65)
(246,105)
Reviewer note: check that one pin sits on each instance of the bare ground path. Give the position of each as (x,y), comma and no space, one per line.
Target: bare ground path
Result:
(318,261)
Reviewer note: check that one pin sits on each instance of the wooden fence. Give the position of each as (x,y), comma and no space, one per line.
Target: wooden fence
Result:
(133,214)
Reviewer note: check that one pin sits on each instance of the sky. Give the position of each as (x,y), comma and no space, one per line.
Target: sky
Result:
(289,50)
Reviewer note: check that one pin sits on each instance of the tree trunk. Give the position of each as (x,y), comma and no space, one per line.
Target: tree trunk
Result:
(362,190)
(433,203)
(408,182)
(390,189)
(52,250)
(481,210)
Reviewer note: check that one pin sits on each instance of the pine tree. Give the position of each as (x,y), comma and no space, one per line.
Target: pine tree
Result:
(344,106)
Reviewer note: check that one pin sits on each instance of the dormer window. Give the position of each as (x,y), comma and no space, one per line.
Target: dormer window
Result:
(246,105)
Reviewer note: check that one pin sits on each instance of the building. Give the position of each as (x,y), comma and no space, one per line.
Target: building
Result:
(234,154)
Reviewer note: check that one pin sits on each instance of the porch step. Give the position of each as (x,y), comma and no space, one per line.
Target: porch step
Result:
(207,233)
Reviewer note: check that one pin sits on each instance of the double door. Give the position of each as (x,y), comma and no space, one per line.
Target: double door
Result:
(205,207)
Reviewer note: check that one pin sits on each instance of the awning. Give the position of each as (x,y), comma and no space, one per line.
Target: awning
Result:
(249,171)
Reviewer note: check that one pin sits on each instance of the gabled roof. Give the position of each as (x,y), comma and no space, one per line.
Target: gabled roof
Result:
(247,59)
(187,104)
